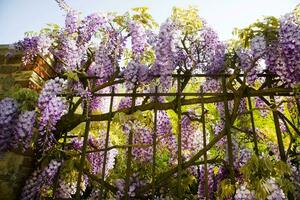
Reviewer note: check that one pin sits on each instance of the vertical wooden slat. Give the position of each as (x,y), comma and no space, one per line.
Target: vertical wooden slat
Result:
(228,133)
(106,142)
(154,143)
(253,126)
(204,146)
(129,154)
(278,132)
(84,147)
(276,123)
(56,182)
(179,151)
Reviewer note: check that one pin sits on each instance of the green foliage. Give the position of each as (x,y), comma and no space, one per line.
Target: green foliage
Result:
(122,20)
(266,27)
(297,12)
(122,118)
(225,190)
(72,75)
(187,19)
(142,15)
(257,171)
(148,56)
(51,28)
(26,97)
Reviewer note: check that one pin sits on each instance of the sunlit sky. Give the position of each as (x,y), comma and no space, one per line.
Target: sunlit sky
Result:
(19,16)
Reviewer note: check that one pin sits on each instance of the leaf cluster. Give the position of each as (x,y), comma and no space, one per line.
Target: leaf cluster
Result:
(26,97)
(258,170)
(267,27)
(187,19)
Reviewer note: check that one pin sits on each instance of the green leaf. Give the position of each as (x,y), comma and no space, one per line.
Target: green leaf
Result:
(72,75)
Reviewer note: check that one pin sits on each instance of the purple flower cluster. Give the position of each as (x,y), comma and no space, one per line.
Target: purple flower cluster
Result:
(164,131)
(32,46)
(212,54)
(89,26)
(249,63)
(219,126)
(283,55)
(125,103)
(16,127)
(242,106)
(96,159)
(67,188)
(71,22)
(135,184)
(275,192)
(104,67)
(51,89)
(55,109)
(211,182)
(188,135)
(296,180)
(68,53)
(245,155)
(40,179)
(138,37)
(243,193)
(263,108)
(135,74)
(143,136)
(289,34)
(52,108)
(24,128)
(164,52)
(8,110)
(258,46)
(8,114)
(212,85)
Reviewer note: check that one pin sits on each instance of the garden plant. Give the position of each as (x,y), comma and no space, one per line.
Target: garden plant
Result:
(138,110)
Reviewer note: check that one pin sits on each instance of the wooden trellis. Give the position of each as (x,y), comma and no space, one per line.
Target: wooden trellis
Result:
(196,98)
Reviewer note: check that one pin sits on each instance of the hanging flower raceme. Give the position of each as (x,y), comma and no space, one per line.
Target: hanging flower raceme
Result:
(138,37)
(188,135)
(135,184)
(39,180)
(283,54)
(135,74)
(33,46)
(24,128)
(107,55)
(164,131)
(96,158)
(71,22)
(52,108)
(67,185)
(89,27)
(16,127)
(213,51)
(289,41)
(211,182)
(164,51)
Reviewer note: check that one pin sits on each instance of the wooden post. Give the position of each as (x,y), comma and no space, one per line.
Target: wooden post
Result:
(204,146)
(106,142)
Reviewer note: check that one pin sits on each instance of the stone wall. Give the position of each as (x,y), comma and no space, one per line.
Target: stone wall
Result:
(15,166)
(12,71)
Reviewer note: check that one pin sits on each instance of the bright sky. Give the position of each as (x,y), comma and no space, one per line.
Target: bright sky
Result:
(19,16)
